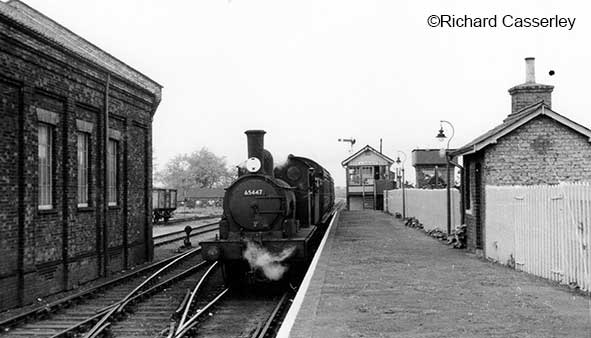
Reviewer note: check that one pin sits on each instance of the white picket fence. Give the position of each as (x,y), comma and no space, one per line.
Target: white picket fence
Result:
(427,205)
(543,230)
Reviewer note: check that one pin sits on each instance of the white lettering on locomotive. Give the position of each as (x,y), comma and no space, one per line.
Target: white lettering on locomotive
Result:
(252,192)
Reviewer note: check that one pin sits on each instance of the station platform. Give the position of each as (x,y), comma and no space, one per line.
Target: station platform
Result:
(377,278)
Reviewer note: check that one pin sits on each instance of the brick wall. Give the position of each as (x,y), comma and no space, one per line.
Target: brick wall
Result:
(48,251)
(528,94)
(9,209)
(542,151)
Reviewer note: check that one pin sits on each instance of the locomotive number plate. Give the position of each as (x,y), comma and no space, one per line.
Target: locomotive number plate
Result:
(253,192)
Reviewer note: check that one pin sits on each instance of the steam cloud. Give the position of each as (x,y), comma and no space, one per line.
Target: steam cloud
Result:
(269,263)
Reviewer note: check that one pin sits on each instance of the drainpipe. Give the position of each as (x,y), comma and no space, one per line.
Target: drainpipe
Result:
(105,177)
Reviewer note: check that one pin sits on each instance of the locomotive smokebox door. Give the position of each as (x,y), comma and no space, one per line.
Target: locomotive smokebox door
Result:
(257,203)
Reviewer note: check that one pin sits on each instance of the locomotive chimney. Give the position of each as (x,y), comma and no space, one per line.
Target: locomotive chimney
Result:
(256,144)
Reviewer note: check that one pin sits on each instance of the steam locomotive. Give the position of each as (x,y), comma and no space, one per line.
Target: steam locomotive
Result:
(273,217)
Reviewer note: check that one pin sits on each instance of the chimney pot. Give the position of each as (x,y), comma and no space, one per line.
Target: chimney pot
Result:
(530,70)
(530,92)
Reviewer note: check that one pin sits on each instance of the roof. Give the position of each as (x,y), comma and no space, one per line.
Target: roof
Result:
(201,193)
(363,150)
(429,157)
(516,120)
(23,14)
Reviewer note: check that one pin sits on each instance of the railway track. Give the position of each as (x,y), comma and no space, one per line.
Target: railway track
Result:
(232,313)
(105,306)
(181,235)
(256,313)
(141,304)
(185,219)
(46,319)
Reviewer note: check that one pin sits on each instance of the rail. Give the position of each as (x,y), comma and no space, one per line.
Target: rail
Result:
(64,302)
(187,322)
(273,320)
(119,306)
(158,240)
(186,219)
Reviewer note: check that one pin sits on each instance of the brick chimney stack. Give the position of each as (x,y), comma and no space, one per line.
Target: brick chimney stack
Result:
(530,92)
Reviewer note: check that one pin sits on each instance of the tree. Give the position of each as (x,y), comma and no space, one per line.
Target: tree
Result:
(200,169)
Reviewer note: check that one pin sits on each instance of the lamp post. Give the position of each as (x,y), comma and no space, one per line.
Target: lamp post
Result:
(398,162)
(441,137)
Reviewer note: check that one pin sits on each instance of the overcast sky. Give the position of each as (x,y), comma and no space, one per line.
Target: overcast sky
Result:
(310,72)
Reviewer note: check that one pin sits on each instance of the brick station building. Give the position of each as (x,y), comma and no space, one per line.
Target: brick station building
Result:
(74,195)
(533,145)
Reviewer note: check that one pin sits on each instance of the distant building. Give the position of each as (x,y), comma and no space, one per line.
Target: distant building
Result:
(195,197)
(534,145)
(430,168)
(367,175)
(74,195)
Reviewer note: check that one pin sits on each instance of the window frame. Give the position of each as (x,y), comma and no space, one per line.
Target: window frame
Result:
(83,174)
(354,176)
(45,194)
(367,175)
(112,167)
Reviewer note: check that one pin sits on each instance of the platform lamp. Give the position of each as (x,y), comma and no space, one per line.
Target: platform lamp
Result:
(401,164)
(441,137)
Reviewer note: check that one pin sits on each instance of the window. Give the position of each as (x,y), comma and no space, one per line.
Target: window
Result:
(112,172)
(367,175)
(83,139)
(354,176)
(45,166)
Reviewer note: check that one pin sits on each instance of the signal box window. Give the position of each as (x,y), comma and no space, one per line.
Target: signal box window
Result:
(354,176)
(367,175)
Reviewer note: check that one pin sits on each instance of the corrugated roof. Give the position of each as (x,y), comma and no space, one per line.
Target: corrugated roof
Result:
(38,22)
